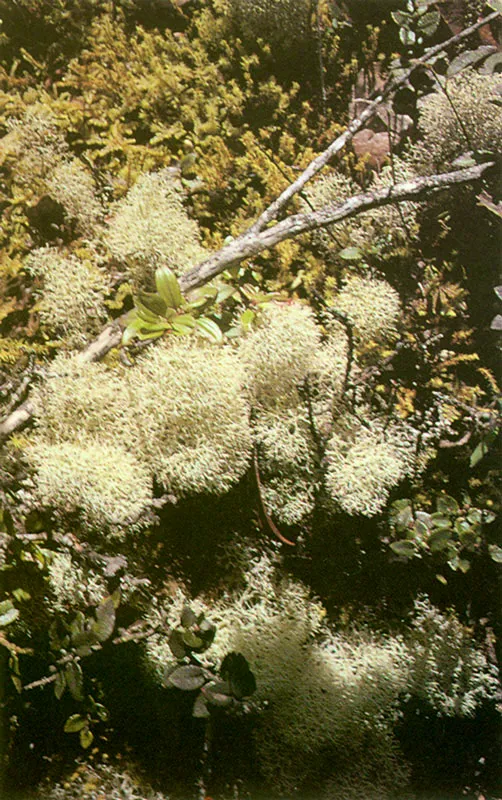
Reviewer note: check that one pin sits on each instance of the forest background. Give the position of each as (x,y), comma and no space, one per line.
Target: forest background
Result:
(249,319)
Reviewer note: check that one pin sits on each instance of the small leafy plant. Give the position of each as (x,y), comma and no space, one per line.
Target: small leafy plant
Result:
(165,310)
(448,533)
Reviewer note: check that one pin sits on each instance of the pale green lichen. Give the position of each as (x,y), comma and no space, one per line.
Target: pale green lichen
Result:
(73,187)
(278,353)
(286,464)
(464,120)
(72,297)
(371,305)
(192,416)
(449,670)
(73,587)
(150,227)
(78,401)
(108,486)
(365,461)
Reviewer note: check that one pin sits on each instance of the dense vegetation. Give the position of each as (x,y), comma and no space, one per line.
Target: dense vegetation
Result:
(250,550)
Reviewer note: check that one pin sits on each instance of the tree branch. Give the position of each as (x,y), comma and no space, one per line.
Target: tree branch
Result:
(251,244)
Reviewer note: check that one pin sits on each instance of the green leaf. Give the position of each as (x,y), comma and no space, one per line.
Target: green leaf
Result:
(403,548)
(192,641)
(152,302)
(168,287)
(482,449)
(9,615)
(75,723)
(177,644)
(86,738)
(496,5)
(441,579)
(428,23)
(351,254)
(188,617)
(447,505)
(75,680)
(59,685)
(187,678)
(401,514)
(20,595)
(218,693)
(440,520)
(101,711)
(468,58)
(247,318)
(439,540)
(495,553)
(105,619)
(183,324)
(200,709)
(209,329)
(235,669)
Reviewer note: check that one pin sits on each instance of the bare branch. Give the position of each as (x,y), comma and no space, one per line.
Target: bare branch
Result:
(252,244)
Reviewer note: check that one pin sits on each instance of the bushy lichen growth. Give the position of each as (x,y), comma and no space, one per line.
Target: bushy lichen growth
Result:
(277,354)
(192,417)
(366,460)
(463,117)
(327,691)
(371,305)
(72,295)
(150,228)
(106,485)
(448,670)
(71,185)
(73,587)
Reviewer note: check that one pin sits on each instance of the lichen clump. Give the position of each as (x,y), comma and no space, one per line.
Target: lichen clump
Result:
(365,461)
(150,227)
(72,297)
(466,119)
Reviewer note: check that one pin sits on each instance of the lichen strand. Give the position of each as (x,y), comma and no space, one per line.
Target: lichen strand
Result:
(150,227)
(371,305)
(192,417)
(108,486)
(465,119)
(365,461)
(278,353)
(72,297)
